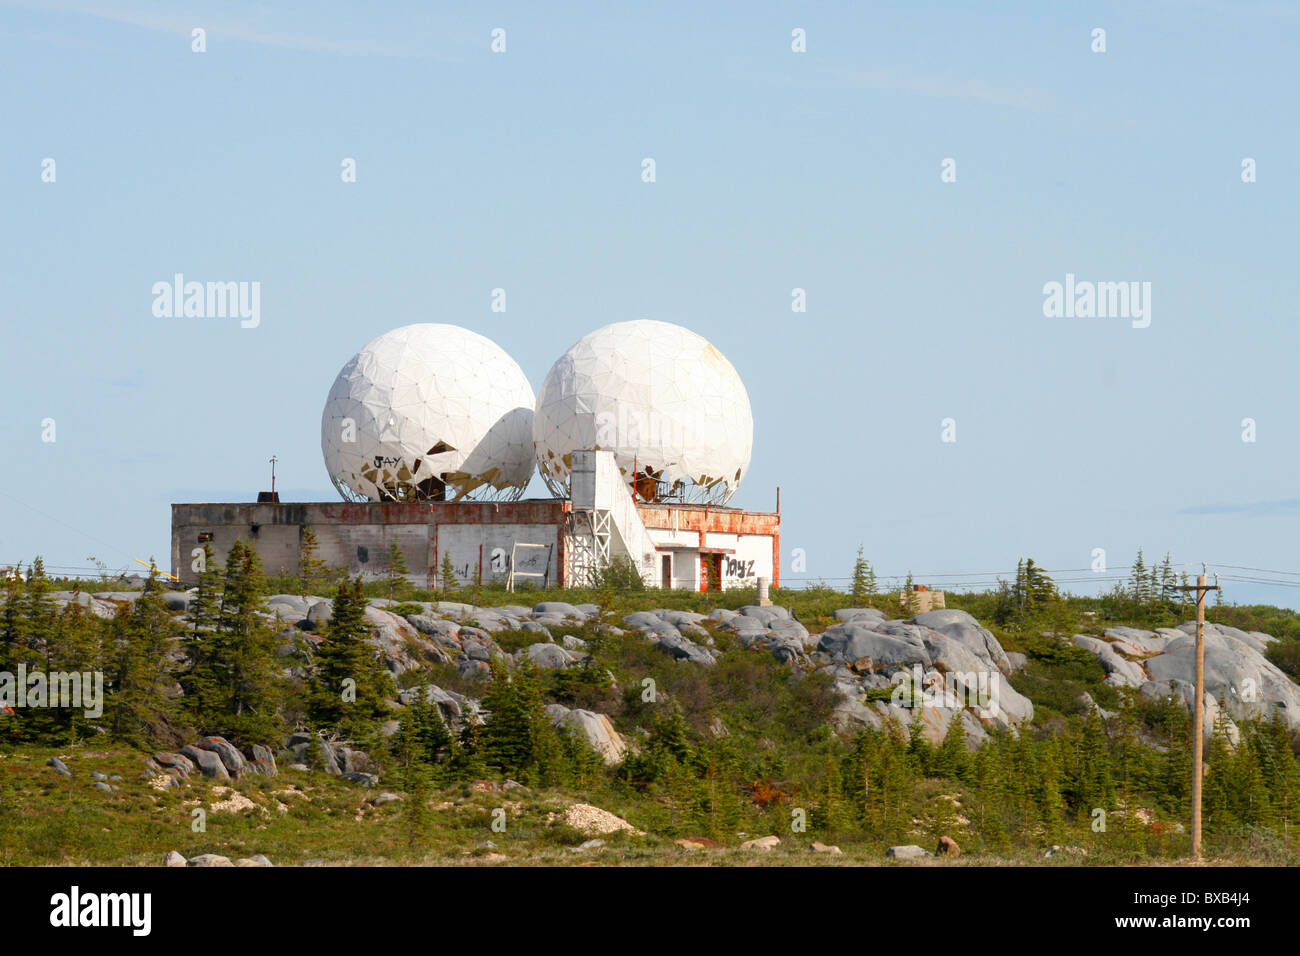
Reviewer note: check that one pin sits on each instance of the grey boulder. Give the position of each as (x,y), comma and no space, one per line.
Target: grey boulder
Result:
(909,852)
(207,761)
(230,757)
(549,655)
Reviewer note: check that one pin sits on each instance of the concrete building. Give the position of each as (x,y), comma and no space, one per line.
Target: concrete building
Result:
(549,542)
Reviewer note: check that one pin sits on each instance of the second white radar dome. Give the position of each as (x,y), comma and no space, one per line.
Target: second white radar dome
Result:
(666,402)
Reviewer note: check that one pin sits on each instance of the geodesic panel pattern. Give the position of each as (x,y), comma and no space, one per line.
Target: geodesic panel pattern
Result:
(429,412)
(662,398)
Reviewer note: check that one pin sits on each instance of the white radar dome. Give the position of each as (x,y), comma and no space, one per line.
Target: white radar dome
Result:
(429,412)
(665,401)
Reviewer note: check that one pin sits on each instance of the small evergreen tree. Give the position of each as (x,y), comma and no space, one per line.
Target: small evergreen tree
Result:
(467,762)
(349,684)
(1050,793)
(906,599)
(518,737)
(1040,590)
(1139,583)
(233,684)
(312,571)
(951,758)
(39,615)
(12,646)
(864,581)
(448,574)
(428,735)
(143,708)
(1168,581)
(205,602)
(397,569)
(831,813)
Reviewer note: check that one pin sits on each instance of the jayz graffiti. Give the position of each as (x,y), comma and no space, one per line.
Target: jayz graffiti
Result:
(739,568)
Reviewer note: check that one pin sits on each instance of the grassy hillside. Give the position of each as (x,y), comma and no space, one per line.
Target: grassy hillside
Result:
(720,755)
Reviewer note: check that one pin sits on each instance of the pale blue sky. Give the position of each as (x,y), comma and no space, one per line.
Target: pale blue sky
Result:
(775,170)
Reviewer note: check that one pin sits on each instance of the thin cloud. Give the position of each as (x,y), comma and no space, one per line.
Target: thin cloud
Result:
(970,89)
(1276,507)
(216,27)
(1238,8)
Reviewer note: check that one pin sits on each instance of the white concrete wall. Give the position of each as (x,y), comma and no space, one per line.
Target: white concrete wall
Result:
(463,542)
(363,549)
(752,560)
(662,536)
(686,570)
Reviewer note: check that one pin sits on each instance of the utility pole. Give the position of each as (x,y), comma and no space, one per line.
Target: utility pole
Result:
(1198,711)
(274,459)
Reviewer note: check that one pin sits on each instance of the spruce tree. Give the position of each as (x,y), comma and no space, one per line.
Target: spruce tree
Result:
(907,600)
(830,813)
(143,709)
(418,780)
(1020,590)
(951,758)
(1040,589)
(205,602)
(39,614)
(312,571)
(513,738)
(448,574)
(1139,585)
(1094,785)
(1168,581)
(397,569)
(12,646)
(1218,795)
(348,666)
(1049,796)
(863,581)
(77,648)
(426,732)
(672,736)
(255,684)
(1254,803)
(1176,765)
(1281,772)
(467,761)
(233,683)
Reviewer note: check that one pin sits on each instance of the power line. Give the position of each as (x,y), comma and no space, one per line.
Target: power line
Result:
(58,521)
(1238,567)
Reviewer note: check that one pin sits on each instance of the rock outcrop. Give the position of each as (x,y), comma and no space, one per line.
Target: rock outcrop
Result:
(937,667)
(1240,680)
(595,728)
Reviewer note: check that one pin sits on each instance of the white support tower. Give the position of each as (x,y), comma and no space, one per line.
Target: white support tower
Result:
(588,545)
(604,522)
